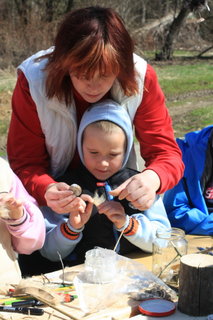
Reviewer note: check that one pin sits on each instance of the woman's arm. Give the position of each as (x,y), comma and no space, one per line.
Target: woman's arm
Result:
(155,134)
(158,147)
(26,148)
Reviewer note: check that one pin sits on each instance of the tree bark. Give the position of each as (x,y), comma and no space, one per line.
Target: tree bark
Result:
(196,284)
(167,49)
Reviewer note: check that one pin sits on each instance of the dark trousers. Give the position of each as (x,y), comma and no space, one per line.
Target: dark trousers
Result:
(36,264)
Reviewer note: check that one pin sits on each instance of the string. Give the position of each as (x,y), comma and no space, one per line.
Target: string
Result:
(119,238)
(62,264)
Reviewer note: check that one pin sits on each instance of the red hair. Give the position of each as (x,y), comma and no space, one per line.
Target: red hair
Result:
(89,40)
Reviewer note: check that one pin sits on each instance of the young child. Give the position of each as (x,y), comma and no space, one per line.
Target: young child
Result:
(190,203)
(104,143)
(19,213)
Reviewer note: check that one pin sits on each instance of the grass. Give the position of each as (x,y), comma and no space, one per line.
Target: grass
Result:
(193,120)
(180,79)
(189,92)
(7,80)
(205,115)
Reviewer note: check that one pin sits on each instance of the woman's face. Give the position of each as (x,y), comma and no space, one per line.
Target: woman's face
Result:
(92,90)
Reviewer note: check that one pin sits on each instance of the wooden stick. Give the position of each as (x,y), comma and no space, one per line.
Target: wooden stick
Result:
(56,308)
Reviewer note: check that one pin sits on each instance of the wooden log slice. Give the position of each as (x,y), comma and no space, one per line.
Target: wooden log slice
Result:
(196,284)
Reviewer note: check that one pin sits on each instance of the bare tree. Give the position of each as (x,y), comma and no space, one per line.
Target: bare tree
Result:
(54,9)
(188,6)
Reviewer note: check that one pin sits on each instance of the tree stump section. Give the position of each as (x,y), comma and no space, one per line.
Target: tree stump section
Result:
(196,284)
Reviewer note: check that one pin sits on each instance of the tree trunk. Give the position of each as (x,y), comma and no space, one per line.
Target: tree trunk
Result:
(22,9)
(167,49)
(49,11)
(196,285)
(69,6)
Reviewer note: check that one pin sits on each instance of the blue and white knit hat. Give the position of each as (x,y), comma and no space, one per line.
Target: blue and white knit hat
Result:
(107,110)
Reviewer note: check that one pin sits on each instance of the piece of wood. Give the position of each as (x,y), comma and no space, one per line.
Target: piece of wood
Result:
(196,284)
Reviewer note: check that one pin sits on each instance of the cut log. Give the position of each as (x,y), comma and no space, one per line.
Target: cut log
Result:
(196,284)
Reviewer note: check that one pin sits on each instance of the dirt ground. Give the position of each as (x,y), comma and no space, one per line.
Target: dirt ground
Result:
(181,114)
(5,113)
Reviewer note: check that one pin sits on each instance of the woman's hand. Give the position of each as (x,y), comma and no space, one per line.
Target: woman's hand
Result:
(140,189)
(114,212)
(59,197)
(81,211)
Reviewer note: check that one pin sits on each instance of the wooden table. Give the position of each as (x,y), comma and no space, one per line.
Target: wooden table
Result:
(116,312)
(193,243)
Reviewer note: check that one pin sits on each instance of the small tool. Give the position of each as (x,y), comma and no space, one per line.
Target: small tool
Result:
(9,300)
(207,250)
(27,303)
(31,311)
(104,188)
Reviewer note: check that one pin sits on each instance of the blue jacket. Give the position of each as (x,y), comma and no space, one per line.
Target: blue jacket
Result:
(99,230)
(185,203)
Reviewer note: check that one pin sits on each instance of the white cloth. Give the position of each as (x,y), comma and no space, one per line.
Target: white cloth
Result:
(9,268)
(5,176)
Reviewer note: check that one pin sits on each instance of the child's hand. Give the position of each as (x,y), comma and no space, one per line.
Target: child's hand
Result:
(114,211)
(10,208)
(81,211)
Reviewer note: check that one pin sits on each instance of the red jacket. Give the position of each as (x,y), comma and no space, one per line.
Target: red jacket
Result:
(29,159)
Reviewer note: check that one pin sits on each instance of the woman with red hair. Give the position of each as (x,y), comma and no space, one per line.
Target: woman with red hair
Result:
(92,58)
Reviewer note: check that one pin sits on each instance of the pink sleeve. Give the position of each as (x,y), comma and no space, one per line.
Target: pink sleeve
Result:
(29,235)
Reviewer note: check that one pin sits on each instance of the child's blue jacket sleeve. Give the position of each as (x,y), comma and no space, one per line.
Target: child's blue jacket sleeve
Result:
(182,214)
(149,221)
(55,242)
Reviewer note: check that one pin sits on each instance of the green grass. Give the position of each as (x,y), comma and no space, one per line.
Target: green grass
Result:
(180,79)
(178,102)
(7,80)
(4,126)
(188,86)
(193,120)
(205,115)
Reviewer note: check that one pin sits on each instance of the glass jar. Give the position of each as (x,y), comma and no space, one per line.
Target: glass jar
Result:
(168,247)
(101,265)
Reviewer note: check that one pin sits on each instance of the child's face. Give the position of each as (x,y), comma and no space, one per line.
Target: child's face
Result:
(103,152)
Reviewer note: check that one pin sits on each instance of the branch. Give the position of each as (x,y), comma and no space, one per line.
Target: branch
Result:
(204,51)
